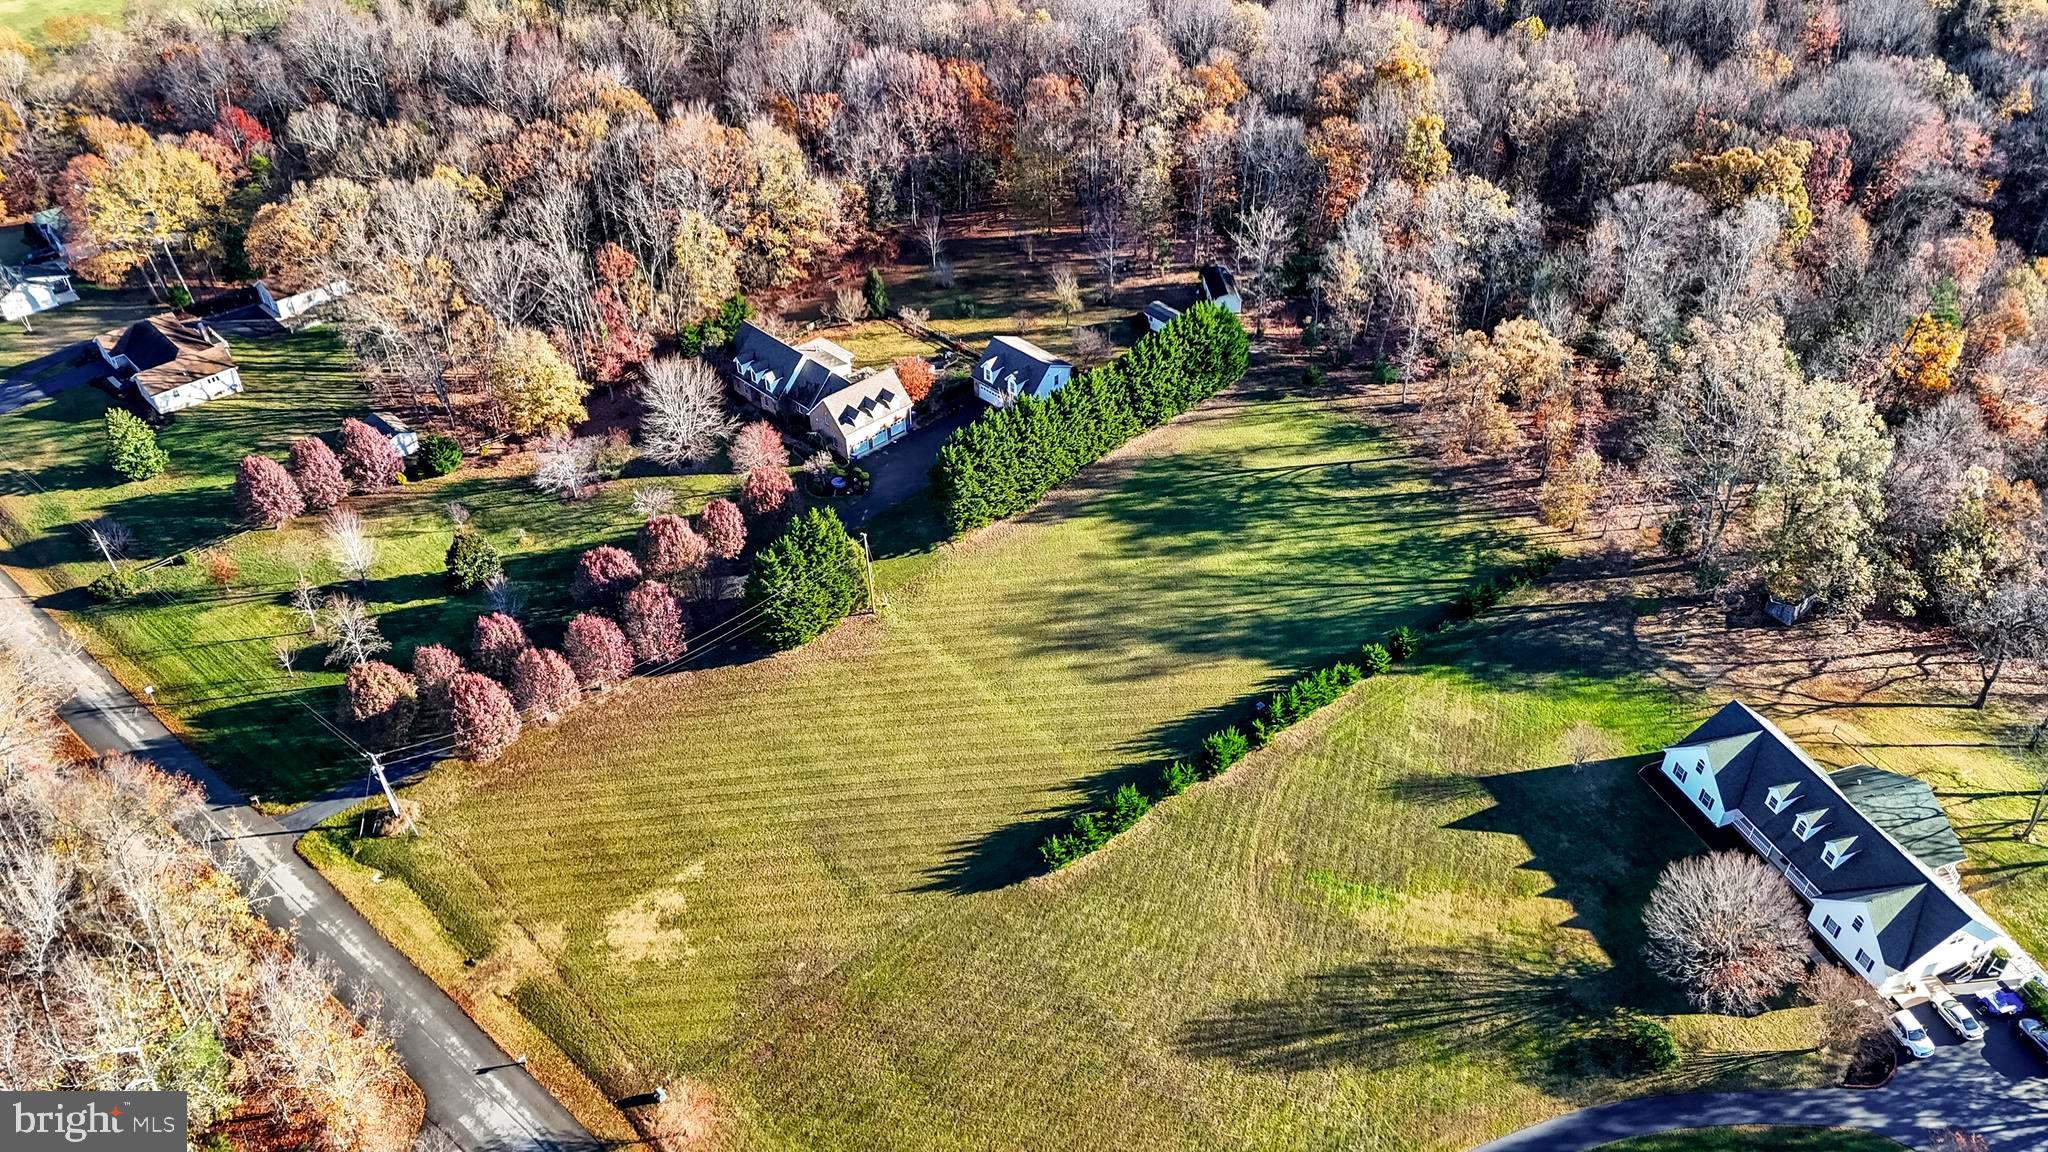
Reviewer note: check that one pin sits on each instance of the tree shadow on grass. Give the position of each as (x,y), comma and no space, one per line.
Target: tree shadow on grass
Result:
(1399,1009)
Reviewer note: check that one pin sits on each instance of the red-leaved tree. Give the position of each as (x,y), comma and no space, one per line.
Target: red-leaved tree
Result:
(265,494)
(768,497)
(434,666)
(485,721)
(758,445)
(622,342)
(378,703)
(317,472)
(915,374)
(543,685)
(653,622)
(367,457)
(240,133)
(670,548)
(724,528)
(494,643)
(602,576)
(598,651)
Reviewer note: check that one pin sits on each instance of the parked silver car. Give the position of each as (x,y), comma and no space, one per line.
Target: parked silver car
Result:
(1957,1016)
(2037,1032)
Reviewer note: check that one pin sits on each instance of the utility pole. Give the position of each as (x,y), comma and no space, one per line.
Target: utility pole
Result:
(867,562)
(384,782)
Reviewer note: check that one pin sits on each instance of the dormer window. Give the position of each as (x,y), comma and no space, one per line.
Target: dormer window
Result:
(1777,798)
(988,370)
(1835,851)
(1809,823)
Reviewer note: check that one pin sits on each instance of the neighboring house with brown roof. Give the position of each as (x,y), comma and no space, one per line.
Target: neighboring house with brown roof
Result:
(170,364)
(1894,914)
(867,414)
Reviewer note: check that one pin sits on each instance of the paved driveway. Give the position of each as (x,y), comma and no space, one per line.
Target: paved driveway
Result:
(41,379)
(902,469)
(1998,1090)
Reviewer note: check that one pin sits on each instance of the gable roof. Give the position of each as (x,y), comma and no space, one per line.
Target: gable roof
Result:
(1749,758)
(1013,363)
(1217,282)
(168,352)
(863,404)
(771,366)
(1161,311)
(1905,808)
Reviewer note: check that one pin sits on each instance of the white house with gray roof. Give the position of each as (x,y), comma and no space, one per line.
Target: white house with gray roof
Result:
(786,380)
(864,416)
(1891,915)
(1012,366)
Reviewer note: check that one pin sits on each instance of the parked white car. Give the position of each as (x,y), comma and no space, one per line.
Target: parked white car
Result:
(1958,1017)
(1905,1028)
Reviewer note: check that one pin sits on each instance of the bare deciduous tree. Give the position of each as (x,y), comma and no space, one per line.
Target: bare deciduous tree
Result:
(1726,928)
(847,304)
(566,467)
(350,543)
(1850,1009)
(111,537)
(685,419)
(352,633)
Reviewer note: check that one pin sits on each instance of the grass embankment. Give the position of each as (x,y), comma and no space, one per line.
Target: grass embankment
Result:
(795,881)
(210,652)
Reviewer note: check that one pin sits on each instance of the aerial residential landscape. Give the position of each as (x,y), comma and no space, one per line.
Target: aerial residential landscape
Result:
(1106,574)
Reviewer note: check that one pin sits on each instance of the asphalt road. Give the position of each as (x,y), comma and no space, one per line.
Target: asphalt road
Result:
(475,1093)
(1997,1089)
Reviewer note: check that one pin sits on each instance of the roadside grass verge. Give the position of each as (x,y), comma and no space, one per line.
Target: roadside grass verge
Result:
(1757,1140)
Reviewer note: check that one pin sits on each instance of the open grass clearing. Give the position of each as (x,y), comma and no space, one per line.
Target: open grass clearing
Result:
(793,881)
(209,652)
(29,16)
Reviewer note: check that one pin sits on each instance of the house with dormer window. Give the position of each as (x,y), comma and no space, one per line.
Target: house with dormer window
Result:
(783,379)
(1861,847)
(1012,366)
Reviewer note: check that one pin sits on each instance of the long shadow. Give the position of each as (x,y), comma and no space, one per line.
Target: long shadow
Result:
(1396,1010)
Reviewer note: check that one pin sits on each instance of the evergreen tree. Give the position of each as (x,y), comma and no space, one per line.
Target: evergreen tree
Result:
(807,580)
(876,292)
(132,450)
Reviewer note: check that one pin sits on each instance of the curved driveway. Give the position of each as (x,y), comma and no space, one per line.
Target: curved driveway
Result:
(1998,1091)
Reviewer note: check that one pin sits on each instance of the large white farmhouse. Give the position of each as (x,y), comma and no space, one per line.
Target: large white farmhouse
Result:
(1888,913)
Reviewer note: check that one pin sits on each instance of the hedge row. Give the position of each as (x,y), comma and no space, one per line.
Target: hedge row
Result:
(1009,458)
(1226,746)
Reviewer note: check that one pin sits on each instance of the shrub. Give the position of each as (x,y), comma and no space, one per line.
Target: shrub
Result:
(724,528)
(543,684)
(434,667)
(317,472)
(1377,659)
(265,494)
(757,445)
(367,457)
(714,332)
(1625,1044)
(439,455)
(2034,994)
(603,574)
(494,643)
(1178,777)
(652,620)
(118,585)
(1127,806)
(473,561)
(1221,749)
(768,497)
(1402,642)
(379,703)
(483,717)
(1008,458)
(669,548)
(132,450)
(806,581)
(598,651)
(916,376)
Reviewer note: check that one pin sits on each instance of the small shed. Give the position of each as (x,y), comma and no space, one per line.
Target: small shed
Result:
(1220,287)
(395,430)
(1788,612)
(1158,314)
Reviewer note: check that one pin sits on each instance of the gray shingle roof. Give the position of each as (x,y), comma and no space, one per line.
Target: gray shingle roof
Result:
(1008,356)
(1749,757)
(1906,808)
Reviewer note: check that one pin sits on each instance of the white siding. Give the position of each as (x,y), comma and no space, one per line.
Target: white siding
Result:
(213,387)
(1696,780)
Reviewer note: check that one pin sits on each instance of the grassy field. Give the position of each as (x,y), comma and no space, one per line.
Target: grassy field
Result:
(210,652)
(1758,1140)
(794,884)
(28,16)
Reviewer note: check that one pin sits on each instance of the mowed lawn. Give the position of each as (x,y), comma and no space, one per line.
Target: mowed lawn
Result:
(210,652)
(800,883)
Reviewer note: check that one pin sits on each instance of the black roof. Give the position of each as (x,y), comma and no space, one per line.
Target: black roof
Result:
(1751,758)
(1217,282)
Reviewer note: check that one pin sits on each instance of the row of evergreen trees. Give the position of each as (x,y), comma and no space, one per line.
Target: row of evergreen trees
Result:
(1004,462)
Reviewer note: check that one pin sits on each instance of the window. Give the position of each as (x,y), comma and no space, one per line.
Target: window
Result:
(1856,925)
(1863,958)
(1837,851)
(1828,922)
(1809,823)
(1706,798)
(1678,769)
(1779,797)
